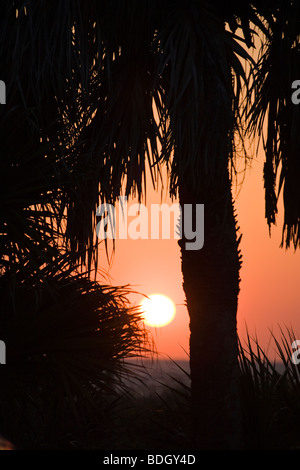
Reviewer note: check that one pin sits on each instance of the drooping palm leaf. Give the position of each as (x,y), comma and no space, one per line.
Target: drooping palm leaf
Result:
(275,118)
(66,348)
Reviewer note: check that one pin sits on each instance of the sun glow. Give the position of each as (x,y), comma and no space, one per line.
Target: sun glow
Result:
(157,310)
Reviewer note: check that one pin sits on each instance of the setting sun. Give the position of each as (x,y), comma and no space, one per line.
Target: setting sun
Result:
(158,310)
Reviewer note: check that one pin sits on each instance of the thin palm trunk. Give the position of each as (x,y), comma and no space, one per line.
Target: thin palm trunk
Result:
(211,285)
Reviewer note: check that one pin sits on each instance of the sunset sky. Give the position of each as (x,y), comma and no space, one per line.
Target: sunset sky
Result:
(269,296)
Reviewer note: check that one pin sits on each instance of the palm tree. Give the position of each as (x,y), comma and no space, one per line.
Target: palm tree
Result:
(67,336)
(107,86)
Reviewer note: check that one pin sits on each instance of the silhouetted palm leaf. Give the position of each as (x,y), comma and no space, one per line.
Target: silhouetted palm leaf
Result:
(275,118)
(66,345)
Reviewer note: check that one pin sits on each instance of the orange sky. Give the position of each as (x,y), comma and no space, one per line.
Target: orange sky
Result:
(269,277)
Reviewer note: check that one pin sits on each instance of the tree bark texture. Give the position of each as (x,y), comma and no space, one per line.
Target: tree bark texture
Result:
(211,285)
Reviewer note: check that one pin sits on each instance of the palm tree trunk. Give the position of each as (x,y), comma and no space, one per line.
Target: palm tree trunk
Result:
(211,285)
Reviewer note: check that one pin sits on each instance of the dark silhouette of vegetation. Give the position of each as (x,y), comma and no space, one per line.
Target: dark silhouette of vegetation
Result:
(269,391)
(95,92)
(67,346)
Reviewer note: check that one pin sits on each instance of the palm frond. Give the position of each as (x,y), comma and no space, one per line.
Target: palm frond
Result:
(67,350)
(203,79)
(274,118)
